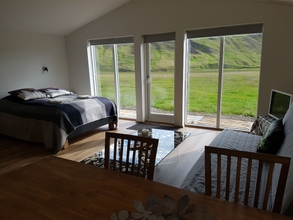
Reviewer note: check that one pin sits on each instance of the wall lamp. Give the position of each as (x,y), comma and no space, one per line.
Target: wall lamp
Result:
(45,69)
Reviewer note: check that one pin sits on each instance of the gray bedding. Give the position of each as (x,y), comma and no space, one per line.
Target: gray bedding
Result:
(51,120)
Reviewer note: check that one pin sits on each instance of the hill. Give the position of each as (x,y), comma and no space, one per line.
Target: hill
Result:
(241,52)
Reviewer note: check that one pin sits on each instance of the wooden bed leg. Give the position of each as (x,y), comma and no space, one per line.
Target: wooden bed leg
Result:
(66,145)
(113,125)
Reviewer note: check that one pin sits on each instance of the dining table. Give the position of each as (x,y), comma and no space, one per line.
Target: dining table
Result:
(57,188)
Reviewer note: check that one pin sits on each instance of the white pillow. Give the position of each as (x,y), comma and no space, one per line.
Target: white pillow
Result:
(57,92)
(27,95)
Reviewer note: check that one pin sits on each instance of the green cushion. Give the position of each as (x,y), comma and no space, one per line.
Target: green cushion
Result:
(273,138)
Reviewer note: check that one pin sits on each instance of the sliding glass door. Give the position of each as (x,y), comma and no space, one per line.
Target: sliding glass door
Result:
(160,50)
(202,82)
(223,78)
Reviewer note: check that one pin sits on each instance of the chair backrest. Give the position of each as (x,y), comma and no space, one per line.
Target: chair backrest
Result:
(247,163)
(131,154)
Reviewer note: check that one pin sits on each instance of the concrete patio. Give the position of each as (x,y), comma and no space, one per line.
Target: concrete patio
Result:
(243,124)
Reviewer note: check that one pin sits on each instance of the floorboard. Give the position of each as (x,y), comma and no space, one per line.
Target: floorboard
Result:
(15,153)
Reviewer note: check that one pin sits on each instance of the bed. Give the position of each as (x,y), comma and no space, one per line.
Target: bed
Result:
(53,115)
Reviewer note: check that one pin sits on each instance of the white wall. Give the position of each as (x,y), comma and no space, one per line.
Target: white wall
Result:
(22,56)
(141,17)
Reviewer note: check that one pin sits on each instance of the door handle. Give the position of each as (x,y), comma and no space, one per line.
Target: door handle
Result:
(148,78)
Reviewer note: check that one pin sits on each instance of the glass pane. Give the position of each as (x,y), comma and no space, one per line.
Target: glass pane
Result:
(126,80)
(162,77)
(241,81)
(105,71)
(202,87)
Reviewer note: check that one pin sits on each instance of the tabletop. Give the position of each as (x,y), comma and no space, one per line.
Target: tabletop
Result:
(56,188)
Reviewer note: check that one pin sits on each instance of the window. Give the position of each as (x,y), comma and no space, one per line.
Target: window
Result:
(113,73)
(223,76)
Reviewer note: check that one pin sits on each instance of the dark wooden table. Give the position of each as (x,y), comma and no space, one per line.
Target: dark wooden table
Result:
(55,188)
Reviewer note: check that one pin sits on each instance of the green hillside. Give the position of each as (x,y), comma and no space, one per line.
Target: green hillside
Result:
(241,52)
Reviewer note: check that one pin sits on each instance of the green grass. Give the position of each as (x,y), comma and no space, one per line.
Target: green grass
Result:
(239,95)
(240,91)
(127,88)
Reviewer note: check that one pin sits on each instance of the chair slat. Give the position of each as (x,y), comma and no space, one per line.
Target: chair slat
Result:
(208,183)
(128,158)
(247,186)
(257,188)
(228,176)
(251,158)
(219,176)
(120,152)
(115,153)
(107,153)
(145,153)
(239,159)
(134,153)
(281,187)
(140,151)
(268,186)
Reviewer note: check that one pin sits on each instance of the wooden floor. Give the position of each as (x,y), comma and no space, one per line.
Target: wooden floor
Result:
(16,153)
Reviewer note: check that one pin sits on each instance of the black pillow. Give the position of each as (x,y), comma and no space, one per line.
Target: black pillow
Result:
(273,138)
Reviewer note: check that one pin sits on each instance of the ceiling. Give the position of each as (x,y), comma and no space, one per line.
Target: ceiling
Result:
(59,17)
(53,16)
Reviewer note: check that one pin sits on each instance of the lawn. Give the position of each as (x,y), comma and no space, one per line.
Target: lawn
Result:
(240,91)
(239,94)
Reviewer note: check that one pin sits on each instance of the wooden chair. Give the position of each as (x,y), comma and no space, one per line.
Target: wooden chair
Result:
(131,154)
(260,160)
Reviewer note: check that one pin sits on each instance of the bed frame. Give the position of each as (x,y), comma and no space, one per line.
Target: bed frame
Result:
(111,121)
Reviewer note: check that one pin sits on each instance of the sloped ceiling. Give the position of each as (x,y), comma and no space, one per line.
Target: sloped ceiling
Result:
(60,17)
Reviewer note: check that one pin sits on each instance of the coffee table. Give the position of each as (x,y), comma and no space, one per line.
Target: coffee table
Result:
(168,141)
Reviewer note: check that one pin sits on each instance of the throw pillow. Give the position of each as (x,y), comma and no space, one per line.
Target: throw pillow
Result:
(273,138)
(55,92)
(27,93)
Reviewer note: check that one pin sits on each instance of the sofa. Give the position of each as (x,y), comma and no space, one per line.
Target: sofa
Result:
(195,180)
